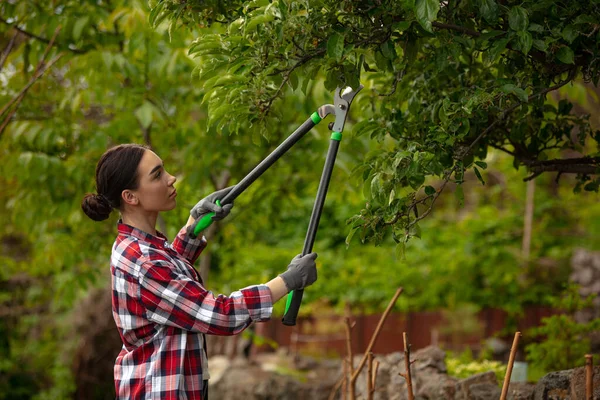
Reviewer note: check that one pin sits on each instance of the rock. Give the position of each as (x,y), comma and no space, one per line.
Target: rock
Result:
(484,391)
(583,276)
(577,387)
(477,385)
(430,357)
(520,391)
(440,387)
(554,386)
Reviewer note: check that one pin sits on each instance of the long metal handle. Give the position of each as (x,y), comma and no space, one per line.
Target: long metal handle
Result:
(294,298)
(204,222)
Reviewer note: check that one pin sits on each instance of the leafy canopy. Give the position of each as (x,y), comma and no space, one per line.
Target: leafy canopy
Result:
(446,81)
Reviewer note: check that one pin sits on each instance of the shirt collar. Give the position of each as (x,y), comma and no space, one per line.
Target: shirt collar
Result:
(127,230)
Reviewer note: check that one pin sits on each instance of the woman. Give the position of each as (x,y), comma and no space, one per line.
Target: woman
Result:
(160,306)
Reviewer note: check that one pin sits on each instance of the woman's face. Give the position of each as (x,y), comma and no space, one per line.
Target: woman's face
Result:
(155,191)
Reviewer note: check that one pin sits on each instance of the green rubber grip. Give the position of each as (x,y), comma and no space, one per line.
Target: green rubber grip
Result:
(315,117)
(205,221)
(336,136)
(288,301)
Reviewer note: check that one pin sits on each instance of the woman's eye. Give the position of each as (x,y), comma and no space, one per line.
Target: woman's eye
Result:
(158,174)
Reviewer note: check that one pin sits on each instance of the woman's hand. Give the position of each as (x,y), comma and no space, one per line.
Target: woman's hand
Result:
(209,204)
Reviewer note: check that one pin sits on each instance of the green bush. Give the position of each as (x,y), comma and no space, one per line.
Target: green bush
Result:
(563,342)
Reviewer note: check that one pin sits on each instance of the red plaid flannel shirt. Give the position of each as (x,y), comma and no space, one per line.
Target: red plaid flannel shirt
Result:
(162,312)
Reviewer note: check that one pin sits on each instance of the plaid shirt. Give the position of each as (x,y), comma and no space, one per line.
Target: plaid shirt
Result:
(162,312)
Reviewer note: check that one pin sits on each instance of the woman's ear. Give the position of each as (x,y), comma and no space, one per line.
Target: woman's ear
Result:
(129,197)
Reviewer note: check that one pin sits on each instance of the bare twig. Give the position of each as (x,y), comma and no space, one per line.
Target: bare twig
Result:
(342,381)
(407,364)
(337,386)
(39,71)
(376,333)
(345,380)
(369,376)
(352,386)
(39,38)
(7,50)
(511,361)
(589,377)
(374,377)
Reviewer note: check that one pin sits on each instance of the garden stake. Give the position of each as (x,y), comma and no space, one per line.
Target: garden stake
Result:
(511,361)
(351,387)
(370,382)
(589,377)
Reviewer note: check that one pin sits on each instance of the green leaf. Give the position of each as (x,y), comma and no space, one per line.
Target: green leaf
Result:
(496,49)
(351,234)
(481,164)
(459,195)
(415,231)
(258,21)
(153,17)
(478,174)
(402,25)
(335,46)
(540,45)
(388,50)
(429,190)
(78,27)
(518,19)
(401,251)
(535,28)
(426,11)
(509,88)
(591,186)
(144,114)
(293,81)
(525,41)
(489,10)
(566,55)
(570,33)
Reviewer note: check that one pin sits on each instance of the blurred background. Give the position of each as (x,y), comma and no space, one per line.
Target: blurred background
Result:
(495,255)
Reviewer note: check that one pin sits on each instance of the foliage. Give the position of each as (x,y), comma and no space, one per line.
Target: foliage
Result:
(464,365)
(445,82)
(217,96)
(563,341)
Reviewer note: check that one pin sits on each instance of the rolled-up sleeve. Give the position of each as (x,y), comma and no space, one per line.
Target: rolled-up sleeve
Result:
(174,299)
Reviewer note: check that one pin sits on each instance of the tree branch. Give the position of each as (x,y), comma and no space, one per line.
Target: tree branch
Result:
(39,71)
(583,165)
(7,50)
(468,149)
(457,28)
(39,38)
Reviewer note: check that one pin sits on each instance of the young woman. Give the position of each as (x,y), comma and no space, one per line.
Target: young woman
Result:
(160,306)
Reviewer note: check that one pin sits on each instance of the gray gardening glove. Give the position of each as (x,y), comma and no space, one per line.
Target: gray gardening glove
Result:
(209,204)
(301,272)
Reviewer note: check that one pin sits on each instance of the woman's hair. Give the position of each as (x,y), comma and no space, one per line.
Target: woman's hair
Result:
(116,171)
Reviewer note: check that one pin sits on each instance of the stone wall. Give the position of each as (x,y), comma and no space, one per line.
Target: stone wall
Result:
(279,376)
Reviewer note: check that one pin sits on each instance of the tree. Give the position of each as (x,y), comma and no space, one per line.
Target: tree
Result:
(446,82)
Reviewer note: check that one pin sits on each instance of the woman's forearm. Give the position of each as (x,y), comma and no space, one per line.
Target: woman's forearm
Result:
(278,288)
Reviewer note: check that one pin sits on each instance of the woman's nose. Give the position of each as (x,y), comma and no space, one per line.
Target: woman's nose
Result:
(172,180)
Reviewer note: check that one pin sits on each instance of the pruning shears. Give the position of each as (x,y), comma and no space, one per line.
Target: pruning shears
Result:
(342,101)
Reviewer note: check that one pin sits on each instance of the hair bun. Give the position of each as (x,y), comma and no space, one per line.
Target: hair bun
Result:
(96,206)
